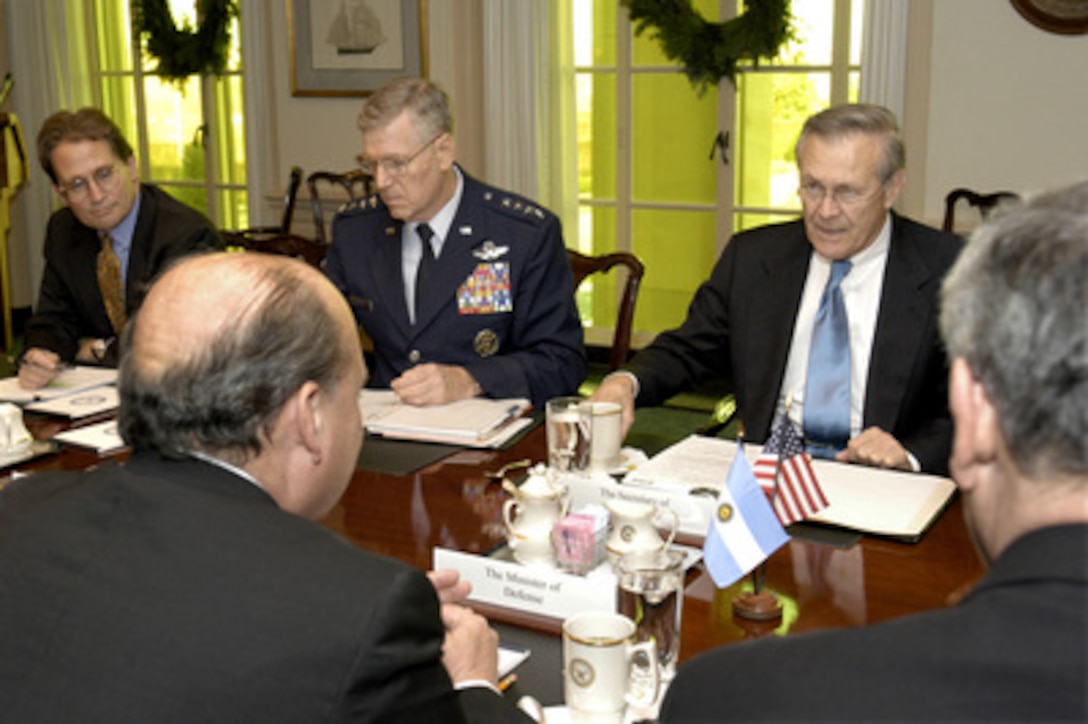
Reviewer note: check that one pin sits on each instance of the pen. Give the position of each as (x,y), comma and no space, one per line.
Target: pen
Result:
(507,681)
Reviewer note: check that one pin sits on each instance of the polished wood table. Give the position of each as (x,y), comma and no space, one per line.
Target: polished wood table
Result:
(455,504)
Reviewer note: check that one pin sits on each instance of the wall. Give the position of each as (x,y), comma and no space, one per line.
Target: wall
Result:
(320,133)
(1004,106)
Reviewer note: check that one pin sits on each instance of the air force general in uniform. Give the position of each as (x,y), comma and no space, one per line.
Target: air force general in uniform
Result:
(492,310)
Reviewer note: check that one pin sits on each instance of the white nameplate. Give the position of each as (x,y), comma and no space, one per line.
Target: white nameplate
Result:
(693,510)
(535,589)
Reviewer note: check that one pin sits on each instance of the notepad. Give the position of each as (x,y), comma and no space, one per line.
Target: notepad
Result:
(84,403)
(476,422)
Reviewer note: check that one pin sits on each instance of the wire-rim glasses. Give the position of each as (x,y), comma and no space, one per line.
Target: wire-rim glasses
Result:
(104,177)
(394,165)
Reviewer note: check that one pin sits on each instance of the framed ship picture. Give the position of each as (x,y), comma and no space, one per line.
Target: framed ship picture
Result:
(353,47)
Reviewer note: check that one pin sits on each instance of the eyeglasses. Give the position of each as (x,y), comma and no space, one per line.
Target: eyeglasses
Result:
(394,165)
(104,178)
(844,196)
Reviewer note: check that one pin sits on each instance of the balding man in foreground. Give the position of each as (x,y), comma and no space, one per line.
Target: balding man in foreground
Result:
(1016,648)
(189,584)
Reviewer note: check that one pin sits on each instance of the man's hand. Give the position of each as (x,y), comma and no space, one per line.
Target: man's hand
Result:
(449,586)
(470,651)
(877,448)
(620,389)
(38,368)
(434,384)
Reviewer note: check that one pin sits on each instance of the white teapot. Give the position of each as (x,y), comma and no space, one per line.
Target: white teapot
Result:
(634,527)
(530,515)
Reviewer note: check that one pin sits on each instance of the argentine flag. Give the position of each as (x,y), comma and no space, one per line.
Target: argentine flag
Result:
(744,529)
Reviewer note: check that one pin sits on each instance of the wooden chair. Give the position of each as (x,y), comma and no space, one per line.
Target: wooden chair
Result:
(582,266)
(985,203)
(310,251)
(355,183)
(289,197)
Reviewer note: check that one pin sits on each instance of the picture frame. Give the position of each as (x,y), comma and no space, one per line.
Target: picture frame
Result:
(354,47)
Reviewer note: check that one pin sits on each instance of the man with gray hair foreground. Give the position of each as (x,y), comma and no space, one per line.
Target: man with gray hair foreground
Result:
(187,584)
(1016,647)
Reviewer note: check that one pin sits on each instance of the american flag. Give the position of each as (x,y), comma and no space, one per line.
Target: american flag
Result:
(799,494)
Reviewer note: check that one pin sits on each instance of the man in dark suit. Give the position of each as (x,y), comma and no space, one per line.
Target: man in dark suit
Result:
(189,584)
(1016,647)
(464,289)
(755,320)
(93,169)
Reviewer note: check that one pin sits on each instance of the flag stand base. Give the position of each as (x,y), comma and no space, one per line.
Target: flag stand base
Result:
(761,606)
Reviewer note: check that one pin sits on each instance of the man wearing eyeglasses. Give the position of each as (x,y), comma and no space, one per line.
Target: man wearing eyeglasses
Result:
(830,319)
(463,288)
(111,238)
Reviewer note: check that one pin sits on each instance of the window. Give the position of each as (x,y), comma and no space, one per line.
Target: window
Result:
(189,138)
(651,178)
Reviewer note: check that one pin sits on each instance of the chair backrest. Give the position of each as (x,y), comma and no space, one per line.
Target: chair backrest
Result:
(355,184)
(294,181)
(582,266)
(289,198)
(310,251)
(985,203)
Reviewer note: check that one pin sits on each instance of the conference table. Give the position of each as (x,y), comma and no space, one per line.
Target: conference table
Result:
(824,578)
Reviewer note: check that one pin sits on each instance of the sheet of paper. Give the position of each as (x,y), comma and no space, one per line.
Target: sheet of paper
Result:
(81,404)
(871,500)
(510,656)
(101,437)
(70,381)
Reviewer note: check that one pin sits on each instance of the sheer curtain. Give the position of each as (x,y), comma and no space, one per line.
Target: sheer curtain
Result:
(51,52)
(884,54)
(529,103)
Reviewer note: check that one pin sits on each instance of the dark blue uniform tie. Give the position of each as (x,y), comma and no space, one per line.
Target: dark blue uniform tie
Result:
(426,263)
(827,388)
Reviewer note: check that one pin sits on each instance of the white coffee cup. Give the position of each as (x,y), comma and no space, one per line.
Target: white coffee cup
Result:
(599,655)
(14,437)
(606,437)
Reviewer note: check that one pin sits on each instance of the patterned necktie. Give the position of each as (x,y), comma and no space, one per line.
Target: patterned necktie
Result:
(827,389)
(109,283)
(426,264)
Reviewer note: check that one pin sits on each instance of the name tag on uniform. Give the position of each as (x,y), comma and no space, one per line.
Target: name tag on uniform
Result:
(486,290)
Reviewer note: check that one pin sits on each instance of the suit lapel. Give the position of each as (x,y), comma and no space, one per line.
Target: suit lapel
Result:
(140,250)
(906,312)
(388,273)
(776,295)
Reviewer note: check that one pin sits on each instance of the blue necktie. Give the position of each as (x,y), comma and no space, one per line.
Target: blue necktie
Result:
(426,263)
(827,389)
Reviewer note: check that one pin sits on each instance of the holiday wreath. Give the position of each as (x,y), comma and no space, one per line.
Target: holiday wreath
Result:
(183,52)
(710,51)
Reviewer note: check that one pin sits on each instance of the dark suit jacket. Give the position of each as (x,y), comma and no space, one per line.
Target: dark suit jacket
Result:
(533,349)
(1015,649)
(69,302)
(166,591)
(741,320)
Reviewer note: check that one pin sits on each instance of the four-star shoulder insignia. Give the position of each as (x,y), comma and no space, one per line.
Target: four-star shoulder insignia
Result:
(514,206)
(360,205)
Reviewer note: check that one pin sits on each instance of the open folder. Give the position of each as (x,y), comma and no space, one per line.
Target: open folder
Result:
(476,422)
(869,500)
